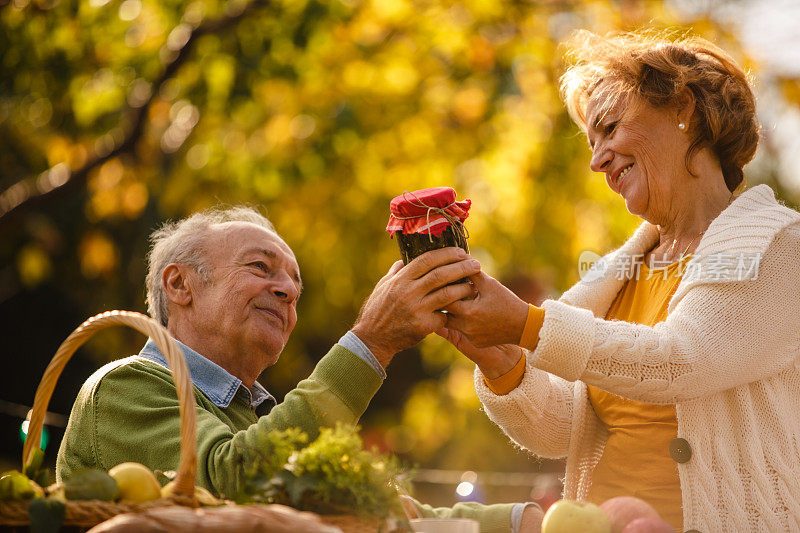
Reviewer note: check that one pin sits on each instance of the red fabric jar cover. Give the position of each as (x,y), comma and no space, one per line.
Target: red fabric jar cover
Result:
(424,211)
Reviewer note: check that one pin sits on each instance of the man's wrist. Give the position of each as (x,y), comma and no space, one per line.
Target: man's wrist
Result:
(517,516)
(351,341)
(381,354)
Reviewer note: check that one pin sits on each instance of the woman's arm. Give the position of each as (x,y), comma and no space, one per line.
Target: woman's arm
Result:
(719,336)
(537,413)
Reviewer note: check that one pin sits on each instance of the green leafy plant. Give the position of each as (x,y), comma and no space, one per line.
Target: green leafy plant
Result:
(332,474)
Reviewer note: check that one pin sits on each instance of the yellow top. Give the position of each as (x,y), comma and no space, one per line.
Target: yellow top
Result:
(636,459)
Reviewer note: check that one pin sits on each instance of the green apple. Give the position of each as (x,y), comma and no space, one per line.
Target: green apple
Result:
(569,516)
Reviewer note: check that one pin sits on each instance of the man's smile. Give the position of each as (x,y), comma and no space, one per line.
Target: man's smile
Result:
(274,313)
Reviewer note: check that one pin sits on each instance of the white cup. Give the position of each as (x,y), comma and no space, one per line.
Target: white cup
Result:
(445,525)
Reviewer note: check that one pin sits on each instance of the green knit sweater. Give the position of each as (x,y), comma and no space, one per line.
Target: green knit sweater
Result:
(492,518)
(128,411)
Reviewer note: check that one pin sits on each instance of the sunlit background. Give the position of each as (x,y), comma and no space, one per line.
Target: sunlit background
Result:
(118,115)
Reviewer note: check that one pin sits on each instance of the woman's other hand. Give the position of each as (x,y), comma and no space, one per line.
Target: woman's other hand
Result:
(405,305)
(495,316)
(493,361)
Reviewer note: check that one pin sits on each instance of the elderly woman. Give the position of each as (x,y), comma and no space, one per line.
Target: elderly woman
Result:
(669,371)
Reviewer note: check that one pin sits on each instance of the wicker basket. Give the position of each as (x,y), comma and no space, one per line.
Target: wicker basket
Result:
(354,524)
(88,513)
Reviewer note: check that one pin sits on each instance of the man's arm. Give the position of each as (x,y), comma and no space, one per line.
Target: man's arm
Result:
(338,390)
(131,414)
(497,518)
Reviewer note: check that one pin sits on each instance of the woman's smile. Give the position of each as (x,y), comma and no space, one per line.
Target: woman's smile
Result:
(621,176)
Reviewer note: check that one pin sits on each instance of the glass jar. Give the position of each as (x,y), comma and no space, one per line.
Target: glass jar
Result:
(415,244)
(428,219)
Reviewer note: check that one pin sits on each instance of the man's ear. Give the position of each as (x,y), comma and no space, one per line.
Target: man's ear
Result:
(685,105)
(176,284)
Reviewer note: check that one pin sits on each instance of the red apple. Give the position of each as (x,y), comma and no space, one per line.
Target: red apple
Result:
(569,516)
(623,510)
(648,525)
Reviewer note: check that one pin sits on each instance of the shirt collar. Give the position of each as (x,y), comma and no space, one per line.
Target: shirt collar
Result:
(216,383)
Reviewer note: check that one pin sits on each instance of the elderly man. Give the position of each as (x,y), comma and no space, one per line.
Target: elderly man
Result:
(226,286)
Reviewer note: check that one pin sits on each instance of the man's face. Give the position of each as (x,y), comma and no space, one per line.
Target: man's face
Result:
(248,307)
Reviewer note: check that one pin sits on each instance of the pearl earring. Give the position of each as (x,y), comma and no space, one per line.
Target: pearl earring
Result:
(681,126)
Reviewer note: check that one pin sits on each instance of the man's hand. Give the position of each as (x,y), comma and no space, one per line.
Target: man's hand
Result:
(494,361)
(531,520)
(405,305)
(495,316)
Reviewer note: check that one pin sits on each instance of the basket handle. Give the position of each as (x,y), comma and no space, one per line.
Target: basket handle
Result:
(187,470)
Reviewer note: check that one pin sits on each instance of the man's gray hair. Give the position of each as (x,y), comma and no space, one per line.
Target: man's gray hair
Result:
(183,242)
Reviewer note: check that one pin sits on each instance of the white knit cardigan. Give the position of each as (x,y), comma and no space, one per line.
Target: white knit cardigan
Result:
(726,356)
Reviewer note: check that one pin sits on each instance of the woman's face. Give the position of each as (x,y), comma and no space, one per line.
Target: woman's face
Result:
(641,151)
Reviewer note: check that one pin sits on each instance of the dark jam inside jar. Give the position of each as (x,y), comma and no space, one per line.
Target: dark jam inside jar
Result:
(414,244)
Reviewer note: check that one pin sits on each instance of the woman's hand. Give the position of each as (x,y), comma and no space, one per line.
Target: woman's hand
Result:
(495,316)
(405,305)
(493,361)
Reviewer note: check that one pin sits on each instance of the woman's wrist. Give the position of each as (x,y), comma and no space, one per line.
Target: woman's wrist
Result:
(501,366)
(505,383)
(515,321)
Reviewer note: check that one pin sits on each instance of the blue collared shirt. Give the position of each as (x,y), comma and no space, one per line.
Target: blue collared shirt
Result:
(220,386)
(216,383)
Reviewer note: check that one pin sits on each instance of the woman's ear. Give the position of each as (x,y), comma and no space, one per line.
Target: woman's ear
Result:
(684,109)
(176,284)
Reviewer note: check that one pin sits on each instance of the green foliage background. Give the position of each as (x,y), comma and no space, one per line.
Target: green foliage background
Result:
(318,111)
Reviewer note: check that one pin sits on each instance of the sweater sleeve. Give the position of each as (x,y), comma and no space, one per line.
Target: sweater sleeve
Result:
(720,335)
(537,413)
(533,324)
(338,390)
(492,518)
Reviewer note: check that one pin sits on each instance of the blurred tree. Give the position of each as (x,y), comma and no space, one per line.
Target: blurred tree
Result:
(116,115)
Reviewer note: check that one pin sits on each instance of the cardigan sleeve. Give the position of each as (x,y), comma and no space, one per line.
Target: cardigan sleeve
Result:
(720,335)
(542,401)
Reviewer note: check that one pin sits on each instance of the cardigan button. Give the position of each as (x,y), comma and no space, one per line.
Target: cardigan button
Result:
(693,531)
(680,450)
